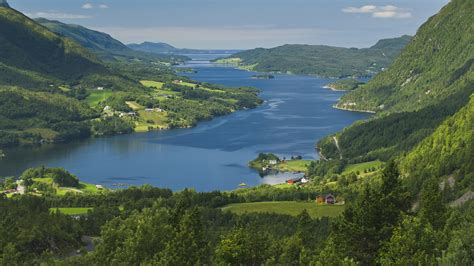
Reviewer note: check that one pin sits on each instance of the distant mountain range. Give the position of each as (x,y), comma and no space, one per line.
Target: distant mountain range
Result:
(164,48)
(102,44)
(321,60)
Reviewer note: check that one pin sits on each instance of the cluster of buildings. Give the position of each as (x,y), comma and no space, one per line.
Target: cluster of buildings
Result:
(20,189)
(297,181)
(326,199)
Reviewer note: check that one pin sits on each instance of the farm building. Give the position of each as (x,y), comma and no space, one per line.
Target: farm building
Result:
(320,199)
(293,181)
(330,199)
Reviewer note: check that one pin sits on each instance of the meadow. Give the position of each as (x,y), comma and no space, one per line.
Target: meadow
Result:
(293,208)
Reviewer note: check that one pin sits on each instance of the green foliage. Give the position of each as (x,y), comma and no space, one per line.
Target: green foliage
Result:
(59,176)
(242,247)
(111,126)
(451,143)
(412,243)
(322,60)
(368,223)
(36,233)
(387,136)
(437,64)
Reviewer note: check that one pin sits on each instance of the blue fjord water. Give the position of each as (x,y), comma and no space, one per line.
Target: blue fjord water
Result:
(212,156)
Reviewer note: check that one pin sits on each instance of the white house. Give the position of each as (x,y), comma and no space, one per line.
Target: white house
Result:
(273,162)
(100,88)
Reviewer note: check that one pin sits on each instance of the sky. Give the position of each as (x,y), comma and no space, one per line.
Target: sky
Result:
(241,24)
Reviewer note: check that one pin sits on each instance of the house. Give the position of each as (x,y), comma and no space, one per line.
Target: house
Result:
(149,110)
(330,199)
(273,162)
(293,181)
(304,180)
(320,199)
(99,187)
(107,108)
(100,88)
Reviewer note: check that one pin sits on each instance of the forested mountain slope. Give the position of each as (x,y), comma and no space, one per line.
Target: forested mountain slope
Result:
(102,44)
(434,66)
(29,49)
(449,150)
(321,60)
(413,107)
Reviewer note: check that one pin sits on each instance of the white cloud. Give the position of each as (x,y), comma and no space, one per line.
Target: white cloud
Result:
(363,9)
(103,6)
(87,6)
(56,15)
(388,11)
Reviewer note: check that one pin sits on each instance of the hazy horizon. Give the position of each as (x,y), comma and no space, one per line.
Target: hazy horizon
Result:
(226,24)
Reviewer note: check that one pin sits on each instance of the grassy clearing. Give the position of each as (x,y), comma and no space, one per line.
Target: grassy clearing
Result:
(61,191)
(159,121)
(134,105)
(294,166)
(151,83)
(361,167)
(229,61)
(71,211)
(286,207)
(96,97)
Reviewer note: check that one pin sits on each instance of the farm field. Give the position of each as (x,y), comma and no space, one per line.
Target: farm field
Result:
(286,207)
(71,211)
(361,167)
(294,166)
(96,97)
(61,191)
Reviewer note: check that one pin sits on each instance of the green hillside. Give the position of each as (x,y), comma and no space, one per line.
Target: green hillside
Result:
(410,113)
(449,150)
(102,44)
(434,66)
(326,61)
(30,47)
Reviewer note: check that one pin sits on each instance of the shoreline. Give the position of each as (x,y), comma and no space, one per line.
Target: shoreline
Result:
(353,110)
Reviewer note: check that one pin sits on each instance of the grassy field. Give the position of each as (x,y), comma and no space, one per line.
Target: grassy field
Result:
(96,97)
(134,105)
(286,207)
(159,120)
(151,83)
(71,211)
(61,191)
(229,61)
(294,166)
(361,167)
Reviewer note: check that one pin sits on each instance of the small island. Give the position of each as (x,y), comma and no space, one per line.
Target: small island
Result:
(263,76)
(266,163)
(344,84)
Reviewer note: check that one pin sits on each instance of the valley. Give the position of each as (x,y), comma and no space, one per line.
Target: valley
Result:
(148,154)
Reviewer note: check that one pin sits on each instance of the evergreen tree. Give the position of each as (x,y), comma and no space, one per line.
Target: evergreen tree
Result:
(433,209)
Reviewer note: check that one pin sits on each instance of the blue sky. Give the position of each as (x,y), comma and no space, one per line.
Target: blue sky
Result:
(242,24)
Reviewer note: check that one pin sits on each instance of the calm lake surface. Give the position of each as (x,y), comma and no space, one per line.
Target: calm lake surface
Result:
(212,156)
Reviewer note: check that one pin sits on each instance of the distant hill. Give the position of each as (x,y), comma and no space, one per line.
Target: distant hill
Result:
(321,60)
(435,65)
(102,44)
(164,48)
(31,51)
